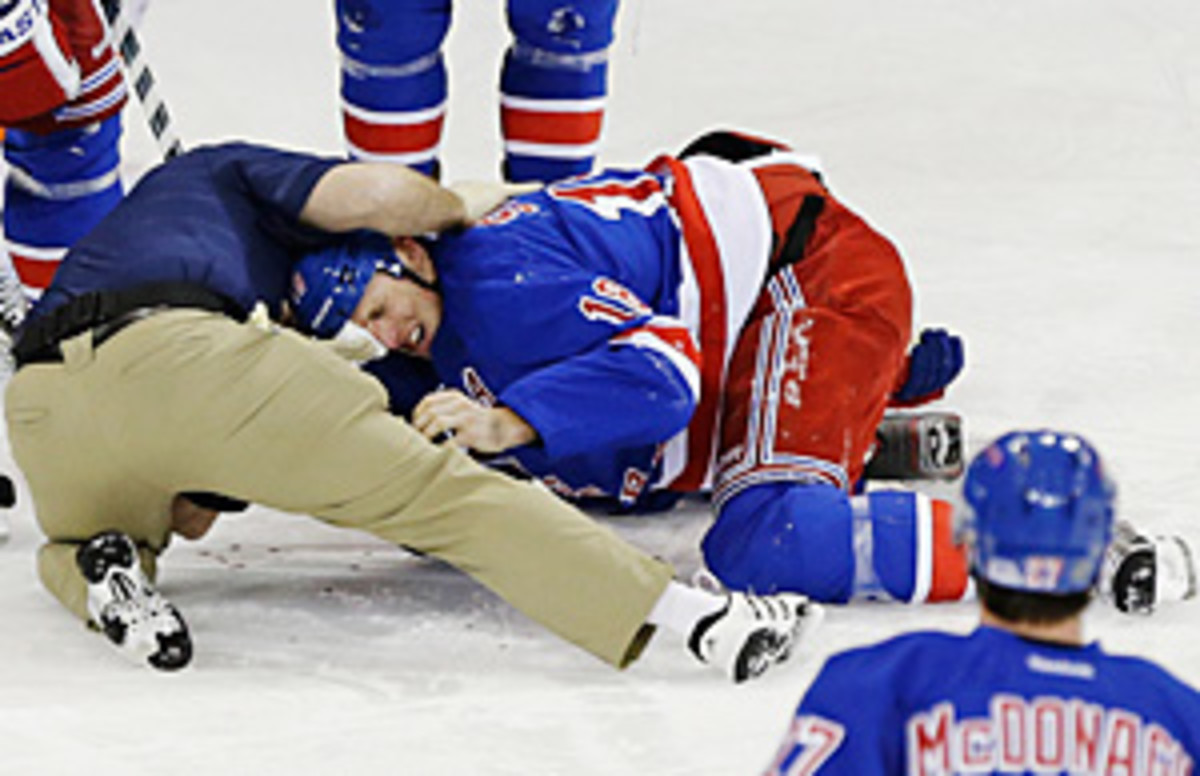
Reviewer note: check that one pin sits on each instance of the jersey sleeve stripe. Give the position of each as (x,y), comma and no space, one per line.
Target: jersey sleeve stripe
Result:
(673,342)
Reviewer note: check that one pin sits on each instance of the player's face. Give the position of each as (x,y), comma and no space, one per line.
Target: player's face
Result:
(399,313)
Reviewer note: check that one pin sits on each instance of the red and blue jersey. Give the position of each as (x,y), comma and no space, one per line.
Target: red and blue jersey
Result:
(604,310)
(564,306)
(991,701)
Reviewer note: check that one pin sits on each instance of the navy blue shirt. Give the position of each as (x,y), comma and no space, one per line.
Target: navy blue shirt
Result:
(224,217)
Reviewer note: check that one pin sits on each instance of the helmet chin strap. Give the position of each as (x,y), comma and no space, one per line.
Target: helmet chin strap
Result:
(422,282)
(398,270)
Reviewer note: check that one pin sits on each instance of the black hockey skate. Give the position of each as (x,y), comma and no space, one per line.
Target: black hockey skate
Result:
(752,633)
(1141,572)
(917,446)
(125,606)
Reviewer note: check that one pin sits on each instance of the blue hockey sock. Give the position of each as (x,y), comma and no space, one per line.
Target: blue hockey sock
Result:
(59,186)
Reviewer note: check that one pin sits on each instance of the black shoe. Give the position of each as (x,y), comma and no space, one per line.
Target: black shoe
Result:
(123,604)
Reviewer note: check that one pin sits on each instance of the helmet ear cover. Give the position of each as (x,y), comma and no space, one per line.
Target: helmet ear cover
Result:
(328,284)
(1043,512)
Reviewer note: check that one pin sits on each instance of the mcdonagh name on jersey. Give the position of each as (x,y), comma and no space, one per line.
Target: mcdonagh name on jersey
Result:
(1046,734)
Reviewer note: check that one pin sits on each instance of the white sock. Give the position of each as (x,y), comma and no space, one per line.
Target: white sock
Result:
(681,606)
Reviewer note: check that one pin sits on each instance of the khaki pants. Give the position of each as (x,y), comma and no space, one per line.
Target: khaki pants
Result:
(193,401)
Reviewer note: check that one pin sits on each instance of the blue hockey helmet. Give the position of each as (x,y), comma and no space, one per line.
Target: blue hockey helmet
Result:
(327,284)
(1043,512)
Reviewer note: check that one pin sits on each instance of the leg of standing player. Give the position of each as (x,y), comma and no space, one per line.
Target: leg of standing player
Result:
(553,86)
(64,128)
(60,184)
(394,80)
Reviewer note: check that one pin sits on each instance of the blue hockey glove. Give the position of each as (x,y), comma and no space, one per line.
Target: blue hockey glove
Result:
(933,363)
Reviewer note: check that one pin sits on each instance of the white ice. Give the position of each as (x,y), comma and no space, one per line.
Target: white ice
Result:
(1038,163)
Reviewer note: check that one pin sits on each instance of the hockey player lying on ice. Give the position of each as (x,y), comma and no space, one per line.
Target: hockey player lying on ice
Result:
(715,320)
(142,392)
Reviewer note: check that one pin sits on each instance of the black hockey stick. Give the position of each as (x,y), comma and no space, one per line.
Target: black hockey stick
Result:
(141,78)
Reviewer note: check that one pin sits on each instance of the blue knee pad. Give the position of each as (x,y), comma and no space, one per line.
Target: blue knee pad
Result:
(785,536)
(62,183)
(391,32)
(391,49)
(561,27)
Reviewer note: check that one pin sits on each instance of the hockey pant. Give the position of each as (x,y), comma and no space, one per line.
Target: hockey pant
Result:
(553,84)
(59,186)
(809,379)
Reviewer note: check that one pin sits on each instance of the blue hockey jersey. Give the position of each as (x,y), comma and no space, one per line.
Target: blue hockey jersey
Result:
(991,701)
(563,305)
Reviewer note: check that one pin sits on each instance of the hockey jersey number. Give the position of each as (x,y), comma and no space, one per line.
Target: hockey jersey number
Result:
(609,197)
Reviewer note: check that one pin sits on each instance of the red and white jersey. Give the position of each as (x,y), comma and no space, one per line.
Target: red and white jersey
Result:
(772,407)
(57,67)
(726,245)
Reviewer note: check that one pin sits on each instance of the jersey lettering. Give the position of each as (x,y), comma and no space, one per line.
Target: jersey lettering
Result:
(610,198)
(1049,734)
(477,388)
(16,28)
(507,212)
(613,304)
(929,743)
(566,491)
(632,485)
(1044,735)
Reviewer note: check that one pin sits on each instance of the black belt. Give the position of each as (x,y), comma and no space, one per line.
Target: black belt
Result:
(107,312)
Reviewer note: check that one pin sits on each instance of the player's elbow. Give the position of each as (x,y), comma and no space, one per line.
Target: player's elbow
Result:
(675,413)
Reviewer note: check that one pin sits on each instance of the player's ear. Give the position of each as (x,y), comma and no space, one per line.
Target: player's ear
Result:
(416,258)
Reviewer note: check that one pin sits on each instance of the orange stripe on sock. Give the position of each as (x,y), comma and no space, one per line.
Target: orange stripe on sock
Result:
(949,582)
(550,127)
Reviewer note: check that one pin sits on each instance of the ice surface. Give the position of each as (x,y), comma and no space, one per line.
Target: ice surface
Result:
(1039,164)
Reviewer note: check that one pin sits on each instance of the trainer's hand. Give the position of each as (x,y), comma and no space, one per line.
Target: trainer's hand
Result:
(482,197)
(472,425)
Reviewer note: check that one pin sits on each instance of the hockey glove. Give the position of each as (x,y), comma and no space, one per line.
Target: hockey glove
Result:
(933,363)
(123,604)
